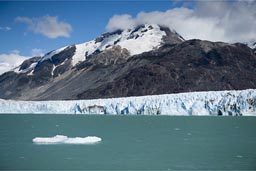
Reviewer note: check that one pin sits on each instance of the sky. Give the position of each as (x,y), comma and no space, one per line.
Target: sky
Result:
(34,28)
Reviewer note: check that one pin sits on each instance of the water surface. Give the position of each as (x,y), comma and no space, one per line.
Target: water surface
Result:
(129,143)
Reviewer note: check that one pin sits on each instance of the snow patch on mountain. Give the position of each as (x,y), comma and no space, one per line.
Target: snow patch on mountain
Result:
(251,44)
(30,69)
(32,66)
(83,50)
(213,103)
(136,41)
(146,40)
(52,53)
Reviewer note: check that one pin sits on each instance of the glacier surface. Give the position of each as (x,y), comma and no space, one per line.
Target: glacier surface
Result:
(213,103)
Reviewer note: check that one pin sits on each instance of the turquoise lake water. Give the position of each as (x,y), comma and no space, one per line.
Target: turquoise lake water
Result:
(129,143)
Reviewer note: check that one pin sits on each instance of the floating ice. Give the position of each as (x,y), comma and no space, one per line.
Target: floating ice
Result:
(62,139)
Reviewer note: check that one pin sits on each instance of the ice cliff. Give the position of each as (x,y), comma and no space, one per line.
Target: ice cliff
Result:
(212,103)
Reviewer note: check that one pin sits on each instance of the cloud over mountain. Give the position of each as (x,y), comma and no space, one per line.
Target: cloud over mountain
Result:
(11,60)
(37,52)
(48,26)
(229,21)
(14,58)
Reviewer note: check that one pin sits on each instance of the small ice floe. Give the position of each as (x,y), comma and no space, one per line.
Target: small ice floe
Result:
(176,129)
(61,139)
(239,156)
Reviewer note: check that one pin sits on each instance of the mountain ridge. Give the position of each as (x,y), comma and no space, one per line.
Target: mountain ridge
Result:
(146,60)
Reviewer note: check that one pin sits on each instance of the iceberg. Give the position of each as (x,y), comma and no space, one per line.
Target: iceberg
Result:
(212,103)
(61,139)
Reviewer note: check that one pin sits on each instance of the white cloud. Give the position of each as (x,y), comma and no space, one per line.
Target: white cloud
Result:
(228,21)
(49,26)
(14,59)
(37,52)
(5,28)
(11,60)
(121,22)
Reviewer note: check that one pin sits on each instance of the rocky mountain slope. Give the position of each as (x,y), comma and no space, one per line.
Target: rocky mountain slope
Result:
(146,60)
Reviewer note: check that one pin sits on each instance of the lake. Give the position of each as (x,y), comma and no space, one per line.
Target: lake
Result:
(129,142)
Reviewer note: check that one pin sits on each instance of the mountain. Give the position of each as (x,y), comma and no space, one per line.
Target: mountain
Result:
(145,60)
(254,47)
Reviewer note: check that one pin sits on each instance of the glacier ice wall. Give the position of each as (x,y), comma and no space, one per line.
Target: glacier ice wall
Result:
(213,103)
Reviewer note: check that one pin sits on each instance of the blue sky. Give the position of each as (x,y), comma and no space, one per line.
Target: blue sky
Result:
(87,19)
(34,28)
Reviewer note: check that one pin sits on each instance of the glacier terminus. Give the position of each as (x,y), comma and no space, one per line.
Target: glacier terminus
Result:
(212,103)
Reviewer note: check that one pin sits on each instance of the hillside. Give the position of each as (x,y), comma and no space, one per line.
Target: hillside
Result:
(145,60)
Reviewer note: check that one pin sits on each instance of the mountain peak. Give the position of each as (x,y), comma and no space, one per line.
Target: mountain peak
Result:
(136,40)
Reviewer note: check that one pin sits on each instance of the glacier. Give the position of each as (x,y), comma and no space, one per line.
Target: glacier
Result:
(211,103)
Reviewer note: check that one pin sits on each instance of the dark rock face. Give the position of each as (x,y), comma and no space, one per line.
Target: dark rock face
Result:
(63,55)
(115,55)
(43,69)
(28,62)
(192,65)
(254,49)
(14,85)
(61,69)
(8,83)
(171,37)
(105,35)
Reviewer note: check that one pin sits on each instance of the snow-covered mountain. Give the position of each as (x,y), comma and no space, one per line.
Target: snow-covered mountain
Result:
(253,46)
(145,60)
(225,103)
(135,41)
